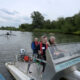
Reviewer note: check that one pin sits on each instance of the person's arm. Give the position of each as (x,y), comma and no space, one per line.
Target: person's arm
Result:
(32,45)
(56,48)
(39,52)
(38,48)
(48,44)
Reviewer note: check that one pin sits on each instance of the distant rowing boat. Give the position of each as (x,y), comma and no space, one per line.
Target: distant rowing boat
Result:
(7,34)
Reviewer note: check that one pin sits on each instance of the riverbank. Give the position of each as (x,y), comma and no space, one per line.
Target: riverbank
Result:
(43,31)
(9,28)
(55,31)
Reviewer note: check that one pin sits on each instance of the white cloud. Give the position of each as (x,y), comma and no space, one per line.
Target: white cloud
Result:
(8,18)
(2,20)
(8,12)
(15,12)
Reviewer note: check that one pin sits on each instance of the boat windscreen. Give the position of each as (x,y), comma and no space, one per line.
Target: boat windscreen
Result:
(68,51)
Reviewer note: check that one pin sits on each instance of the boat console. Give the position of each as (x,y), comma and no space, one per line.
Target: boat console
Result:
(63,60)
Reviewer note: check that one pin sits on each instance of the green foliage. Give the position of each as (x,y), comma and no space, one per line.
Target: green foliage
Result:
(77,21)
(77,32)
(37,19)
(61,25)
(67,27)
(46,30)
(47,24)
(9,28)
(25,27)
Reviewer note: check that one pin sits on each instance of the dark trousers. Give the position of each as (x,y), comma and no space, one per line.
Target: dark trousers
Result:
(43,57)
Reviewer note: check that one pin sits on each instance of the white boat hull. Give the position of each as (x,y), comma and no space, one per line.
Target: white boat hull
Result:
(18,75)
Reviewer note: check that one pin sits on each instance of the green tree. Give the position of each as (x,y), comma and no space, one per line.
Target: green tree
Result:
(25,27)
(60,22)
(47,24)
(67,27)
(53,24)
(77,21)
(37,19)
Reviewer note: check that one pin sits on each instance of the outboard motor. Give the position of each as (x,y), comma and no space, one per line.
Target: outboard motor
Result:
(21,54)
(22,51)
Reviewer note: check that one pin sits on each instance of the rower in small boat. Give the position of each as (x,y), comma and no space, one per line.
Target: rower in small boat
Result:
(7,33)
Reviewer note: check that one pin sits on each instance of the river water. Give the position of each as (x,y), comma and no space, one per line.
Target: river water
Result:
(10,46)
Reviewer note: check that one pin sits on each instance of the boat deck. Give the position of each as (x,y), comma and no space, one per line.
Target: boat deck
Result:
(34,68)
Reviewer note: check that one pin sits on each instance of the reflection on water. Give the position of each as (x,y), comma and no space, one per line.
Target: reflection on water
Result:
(60,38)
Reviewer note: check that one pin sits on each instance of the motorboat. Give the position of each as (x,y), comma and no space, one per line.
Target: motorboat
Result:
(60,63)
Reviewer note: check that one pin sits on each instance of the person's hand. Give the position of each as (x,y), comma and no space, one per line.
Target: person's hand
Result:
(57,53)
(39,52)
(48,43)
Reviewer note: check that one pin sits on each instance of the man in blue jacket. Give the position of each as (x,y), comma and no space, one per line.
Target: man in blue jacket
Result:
(34,45)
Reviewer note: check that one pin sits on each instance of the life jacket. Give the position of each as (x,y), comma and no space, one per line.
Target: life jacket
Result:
(34,45)
(41,47)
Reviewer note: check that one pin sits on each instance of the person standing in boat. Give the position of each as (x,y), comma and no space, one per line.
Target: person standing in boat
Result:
(52,41)
(54,48)
(52,44)
(46,39)
(34,45)
(42,51)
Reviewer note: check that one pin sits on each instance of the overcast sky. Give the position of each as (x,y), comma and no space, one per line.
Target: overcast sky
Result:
(15,12)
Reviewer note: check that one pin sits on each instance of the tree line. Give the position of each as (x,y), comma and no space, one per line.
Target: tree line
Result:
(9,28)
(62,25)
(39,24)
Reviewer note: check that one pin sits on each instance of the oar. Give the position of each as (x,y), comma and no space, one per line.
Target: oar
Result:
(40,60)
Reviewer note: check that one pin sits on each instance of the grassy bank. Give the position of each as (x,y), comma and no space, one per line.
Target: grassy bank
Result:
(10,28)
(55,31)
(77,33)
(46,30)
(42,30)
